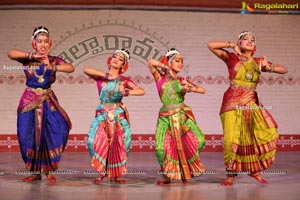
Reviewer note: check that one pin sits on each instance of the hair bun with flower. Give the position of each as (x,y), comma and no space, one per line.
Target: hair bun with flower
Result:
(125,52)
(171,52)
(166,59)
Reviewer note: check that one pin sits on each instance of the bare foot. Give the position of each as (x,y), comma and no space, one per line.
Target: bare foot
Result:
(98,180)
(227,182)
(258,178)
(34,177)
(163,181)
(50,178)
(117,180)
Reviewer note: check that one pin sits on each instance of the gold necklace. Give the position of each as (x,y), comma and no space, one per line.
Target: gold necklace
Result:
(40,77)
(244,58)
(249,71)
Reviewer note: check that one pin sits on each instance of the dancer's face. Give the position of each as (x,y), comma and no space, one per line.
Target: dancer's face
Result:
(177,63)
(118,60)
(247,43)
(42,44)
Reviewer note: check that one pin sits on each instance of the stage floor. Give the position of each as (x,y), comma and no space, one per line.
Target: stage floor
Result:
(75,180)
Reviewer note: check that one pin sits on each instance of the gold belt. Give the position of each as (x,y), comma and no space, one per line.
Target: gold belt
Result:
(39,91)
(173,106)
(109,106)
(247,87)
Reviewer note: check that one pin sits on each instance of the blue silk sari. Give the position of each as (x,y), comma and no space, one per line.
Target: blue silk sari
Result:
(43,126)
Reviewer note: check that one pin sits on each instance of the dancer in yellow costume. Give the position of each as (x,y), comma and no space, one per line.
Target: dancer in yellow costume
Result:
(250,132)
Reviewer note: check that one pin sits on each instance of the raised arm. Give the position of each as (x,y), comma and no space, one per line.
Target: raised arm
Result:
(136,91)
(279,69)
(267,66)
(97,74)
(66,67)
(128,87)
(190,87)
(94,73)
(197,89)
(217,47)
(16,54)
(153,65)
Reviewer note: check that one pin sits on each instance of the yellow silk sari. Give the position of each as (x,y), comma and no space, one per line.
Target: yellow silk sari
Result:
(250,132)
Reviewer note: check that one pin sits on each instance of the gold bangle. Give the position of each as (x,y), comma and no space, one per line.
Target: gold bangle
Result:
(163,66)
(30,56)
(231,45)
(272,68)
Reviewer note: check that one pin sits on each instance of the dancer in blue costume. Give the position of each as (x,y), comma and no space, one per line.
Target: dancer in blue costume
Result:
(43,126)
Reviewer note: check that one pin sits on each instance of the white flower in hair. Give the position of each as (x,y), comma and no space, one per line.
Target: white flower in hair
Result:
(125,52)
(42,30)
(171,52)
(242,34)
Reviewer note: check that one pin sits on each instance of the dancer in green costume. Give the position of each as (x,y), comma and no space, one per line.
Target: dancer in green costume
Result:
(179,140)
